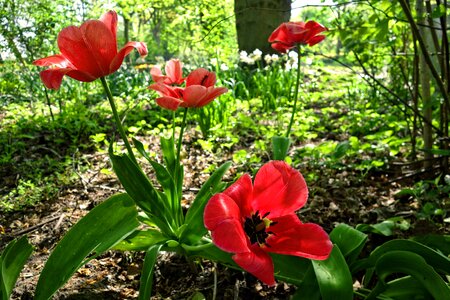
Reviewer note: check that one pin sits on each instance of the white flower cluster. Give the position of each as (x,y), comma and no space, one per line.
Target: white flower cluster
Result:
(251,58)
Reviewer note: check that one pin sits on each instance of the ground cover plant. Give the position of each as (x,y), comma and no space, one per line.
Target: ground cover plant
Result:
(278,175)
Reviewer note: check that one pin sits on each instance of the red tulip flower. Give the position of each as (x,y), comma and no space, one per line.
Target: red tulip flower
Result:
(88,52)
(174,73)
(252,220)
(199,91)
(289,34)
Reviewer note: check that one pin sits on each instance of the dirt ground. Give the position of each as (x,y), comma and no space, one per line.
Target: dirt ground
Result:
(338,196)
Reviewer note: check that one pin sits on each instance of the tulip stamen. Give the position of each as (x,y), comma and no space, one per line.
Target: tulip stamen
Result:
(256,228)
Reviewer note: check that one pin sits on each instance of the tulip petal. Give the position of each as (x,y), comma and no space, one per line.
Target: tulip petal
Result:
(89,48)
(279,189)
(280,47)
(222,217)
(241,191)
(193,95)
(315,40)
(57,59)
(168,102)
(258,263)
(52,78)
(110,20)
(291,237)
(118,59)
(212,93)
(202,77)
(157,75)
(219,208)
(174,71)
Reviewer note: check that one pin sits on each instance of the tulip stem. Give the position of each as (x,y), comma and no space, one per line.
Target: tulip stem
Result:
(117,119)
(294,109)
(180,138)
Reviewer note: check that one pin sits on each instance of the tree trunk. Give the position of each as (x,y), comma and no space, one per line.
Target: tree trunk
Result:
(257,19)
(425,78)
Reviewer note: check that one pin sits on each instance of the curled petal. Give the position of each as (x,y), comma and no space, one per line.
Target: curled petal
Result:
(169,102)
(291,237)
(241,191)
(279,189)
(52,78)
(258,263)
(118,59)
(54,60)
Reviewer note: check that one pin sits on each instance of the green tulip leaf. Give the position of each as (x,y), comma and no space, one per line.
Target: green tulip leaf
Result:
(435,241)
(333,276)
(12,260)
(349,240)
(291,269)
(195,229)
(435,259)
(412,264)
(141,240)
(168,149)
(308,289)
(103,227)
(146,283)
(141,190)
(405,288)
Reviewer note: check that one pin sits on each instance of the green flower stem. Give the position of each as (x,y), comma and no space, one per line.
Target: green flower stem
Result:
(294,109)
(117,119)
(197,247)
(180,138)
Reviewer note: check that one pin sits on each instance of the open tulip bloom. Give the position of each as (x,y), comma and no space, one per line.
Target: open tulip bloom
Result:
(174,73)
(88,52)
(251,220)
(199,90)
(289,34)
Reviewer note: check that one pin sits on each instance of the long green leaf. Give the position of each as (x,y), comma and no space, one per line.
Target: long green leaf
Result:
(168,149)
(308,289)
(194,217)
(432,257)
(12,260)
(145,288)
(412,264)
(334,277)
(103,227)
(291,269)
(141,240)
(349,240)
(141,190)
(405,288)
(435,241)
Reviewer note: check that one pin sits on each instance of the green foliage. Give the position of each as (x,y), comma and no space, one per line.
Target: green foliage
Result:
(103,227)
(12,260)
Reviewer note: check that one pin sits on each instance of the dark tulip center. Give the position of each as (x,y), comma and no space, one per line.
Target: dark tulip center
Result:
(256,228)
